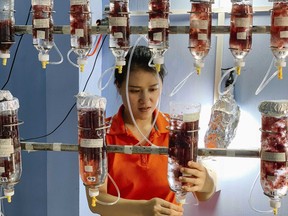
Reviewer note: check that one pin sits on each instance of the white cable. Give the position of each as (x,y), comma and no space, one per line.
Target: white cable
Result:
(128,100)
(1,201)
(60,54)
(101,77)
(264,81)
(118,194)
(180,84)
(250,197)
(68,57)
(222,78)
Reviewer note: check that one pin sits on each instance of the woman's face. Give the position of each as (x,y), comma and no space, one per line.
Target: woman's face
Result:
(144,89)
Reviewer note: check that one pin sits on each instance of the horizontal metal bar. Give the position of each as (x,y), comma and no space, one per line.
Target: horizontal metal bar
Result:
(128,149)
(104,29)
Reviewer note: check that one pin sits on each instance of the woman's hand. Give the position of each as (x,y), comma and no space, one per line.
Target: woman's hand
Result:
(197,179)
(158,207)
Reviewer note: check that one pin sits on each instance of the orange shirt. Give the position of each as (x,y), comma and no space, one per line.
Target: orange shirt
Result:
(138,176)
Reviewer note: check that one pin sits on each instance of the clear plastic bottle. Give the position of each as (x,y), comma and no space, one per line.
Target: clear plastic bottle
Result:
(10,148)
(200,31)
(80,30)
(42,28)
(279,33)
(119,26)
(183,143)
(274,151)
(158,30)
(91,139)
(7,22)
(241,24)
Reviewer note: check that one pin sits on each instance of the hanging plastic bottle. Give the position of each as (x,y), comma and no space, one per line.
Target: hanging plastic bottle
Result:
(91,139)
(200,31)
(224,119)
(241,31)
(7,30)
(274,151)
(80,30)
(158,31)
(183,143)
(10,148)
(42,29)
(279,33)
(119,26)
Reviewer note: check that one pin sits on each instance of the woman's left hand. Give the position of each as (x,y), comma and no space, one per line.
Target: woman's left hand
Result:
(196,178)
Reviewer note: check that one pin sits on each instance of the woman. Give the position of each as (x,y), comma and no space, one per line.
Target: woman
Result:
(141,178)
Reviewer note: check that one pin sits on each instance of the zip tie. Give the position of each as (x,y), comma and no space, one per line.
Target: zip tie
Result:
(154,149)
(29,147)
(230,153)
(128,149)
(56,146)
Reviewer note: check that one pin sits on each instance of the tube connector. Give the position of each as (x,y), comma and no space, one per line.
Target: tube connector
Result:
(4,57)
(280,63)
(239,63)
(93,193)
(198,66)
(44,59)
(158,61)
(8,193)
(81,62)
(44,64)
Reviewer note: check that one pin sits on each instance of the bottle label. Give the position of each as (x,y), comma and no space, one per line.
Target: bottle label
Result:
(118,35)
(157,36)
(41,23)
(283,34)
(41,2)
(280,21)
(199,24)
(88,169)
(91,143)
(159,23)
(40,34)
(91,179)
(2,170)
(242,22)
(273,156)
(118,21)
(241,36)
(202,37)
(79,32)
(78,2)
(190,117)
(6,147)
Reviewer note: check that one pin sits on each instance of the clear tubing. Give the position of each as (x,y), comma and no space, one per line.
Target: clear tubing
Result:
(128,100)
(80,30)
(119,26)
(180,84)
(158,30)
(200,32)
(60,54)
(265,82)
(42,29)
(70,61)
(118,194)
(221,80)
(250,198)
(7,22)
(279,34)
(240,41)
(102,75)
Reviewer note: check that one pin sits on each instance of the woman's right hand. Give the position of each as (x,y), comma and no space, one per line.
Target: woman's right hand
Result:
(158,207)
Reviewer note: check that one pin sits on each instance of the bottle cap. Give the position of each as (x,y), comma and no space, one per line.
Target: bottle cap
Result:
(199,63)
(4,55)
(275,203)
(8,192)
(181,200)
(81,61)
(93,192)
(158,60)
(280,63)
(239,63)
(43,57)
(120,62)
